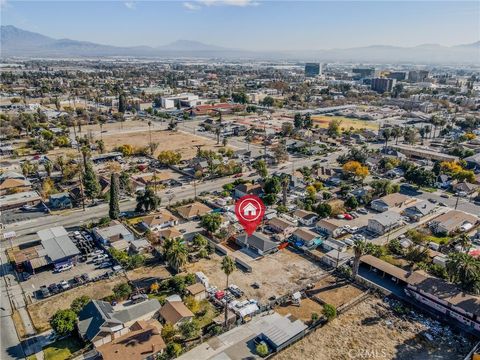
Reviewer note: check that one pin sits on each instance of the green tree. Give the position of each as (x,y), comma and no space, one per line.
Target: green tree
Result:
(240,98)
(268,101)
(176,254)
(228,267)
(323,210)
(359,248)
(262,349)
(79,303)
(122,291)
(211,222)
(307,121)
(168,332)
(329,311)
(63,322)
(48,167)
(190,329)
(298,121)
(122,103)
(334,127)
(90,182)
(174,350)
(261,167)
(464,269)
(147,201)
(114,208)
(351,203)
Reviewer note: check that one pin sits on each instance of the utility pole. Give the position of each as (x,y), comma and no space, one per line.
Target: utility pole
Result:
(456,202)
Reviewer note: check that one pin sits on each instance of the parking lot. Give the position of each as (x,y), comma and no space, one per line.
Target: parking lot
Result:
(93,264)
(17,215)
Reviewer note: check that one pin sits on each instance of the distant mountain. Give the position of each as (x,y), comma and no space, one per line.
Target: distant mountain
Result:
(16,42)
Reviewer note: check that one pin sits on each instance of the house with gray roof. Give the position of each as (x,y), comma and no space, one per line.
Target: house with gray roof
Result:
(417,211)
(99,323)
(384,222)
(258,242)
(115,231)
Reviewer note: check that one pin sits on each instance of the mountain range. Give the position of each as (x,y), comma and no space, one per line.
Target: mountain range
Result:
(16,42)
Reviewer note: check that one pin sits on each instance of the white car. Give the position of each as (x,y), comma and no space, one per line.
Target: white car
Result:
(64,285)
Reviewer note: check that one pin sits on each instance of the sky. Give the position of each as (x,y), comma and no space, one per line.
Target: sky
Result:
(251,24)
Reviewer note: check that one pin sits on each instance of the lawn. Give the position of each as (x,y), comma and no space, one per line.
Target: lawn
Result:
(62,349)
(206,314)
(346,123)
(438,239)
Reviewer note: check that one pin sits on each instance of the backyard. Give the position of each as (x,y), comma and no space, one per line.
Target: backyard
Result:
(41,311)
(372,327)
(62,349)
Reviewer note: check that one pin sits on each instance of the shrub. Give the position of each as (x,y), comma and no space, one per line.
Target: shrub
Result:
(329,311)
(79,303)
(63,321)
(262,349)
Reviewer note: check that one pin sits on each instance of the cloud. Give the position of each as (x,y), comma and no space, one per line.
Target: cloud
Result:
(130,5)
(198,4)
(190,6)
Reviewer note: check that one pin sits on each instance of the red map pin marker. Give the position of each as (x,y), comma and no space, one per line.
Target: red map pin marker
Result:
(250,211)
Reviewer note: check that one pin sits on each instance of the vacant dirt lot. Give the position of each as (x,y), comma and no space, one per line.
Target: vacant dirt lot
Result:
(40,312)
(371,330)
(303,312)
(144,276)
(167,140)
(277,274)
(347,123)
(330,291)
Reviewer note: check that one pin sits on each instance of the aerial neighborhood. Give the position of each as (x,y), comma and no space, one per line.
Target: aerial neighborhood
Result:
(120,237)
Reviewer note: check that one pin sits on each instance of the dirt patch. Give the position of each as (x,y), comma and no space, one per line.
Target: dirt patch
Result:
(346,123)
(17,321)
(143,277)
(277,274)
(371,330)
(303,312)
(167,140)
(40,312)
(337,293)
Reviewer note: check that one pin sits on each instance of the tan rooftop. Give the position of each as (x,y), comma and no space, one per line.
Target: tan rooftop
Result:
(194,209)
(174,311)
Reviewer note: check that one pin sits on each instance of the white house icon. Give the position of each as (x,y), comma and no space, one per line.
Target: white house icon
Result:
(250,210)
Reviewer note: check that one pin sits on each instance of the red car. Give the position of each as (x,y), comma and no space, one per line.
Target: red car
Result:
(220,294)
(238,175)
(347,217)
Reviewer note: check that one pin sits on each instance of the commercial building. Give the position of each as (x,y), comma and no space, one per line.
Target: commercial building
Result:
(398,75)
(17,200)
(313,69)
(363,72)
(417,75)
(180,100)
(382,85)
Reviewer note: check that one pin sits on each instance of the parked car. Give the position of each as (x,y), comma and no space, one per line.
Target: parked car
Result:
(433,201)
(445,196)
(104,265)
(64,285)
(44,291)
(26,276)
(362,211)
(85,277)
(53,288)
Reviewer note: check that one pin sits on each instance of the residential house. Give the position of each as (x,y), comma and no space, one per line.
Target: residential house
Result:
(155,178)
(419,210)
(193,210)
(465,187)
(175,312)
(453,221)
(168,233)
(335,258)
(143,341)
(115,231)
(332,244)
(306,237)
(14,185)
(158,221)
(60,201)
(390,201)
(197,290)
(257,242)
(100,324)
(329,227)
(248,189)
(384,222)
(283,228)
(304,217)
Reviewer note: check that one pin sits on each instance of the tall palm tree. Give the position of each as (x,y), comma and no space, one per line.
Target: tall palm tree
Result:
(85,150)
(228,267)
(359,248)
(396,133)
(176,254)
(147,200)
(464,269)
(386,134)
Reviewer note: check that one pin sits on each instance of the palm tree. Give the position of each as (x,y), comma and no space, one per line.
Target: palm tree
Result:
(48,167)
(176,253)
(150,135)
(465,242)
(285,184)
(228,267)
(85,150)
(359,248)
(386,134)
(147,201)
(464,269)
(396,133)
(217,132)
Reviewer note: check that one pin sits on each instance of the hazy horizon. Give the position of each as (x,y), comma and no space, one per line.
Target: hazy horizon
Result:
(251,25)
